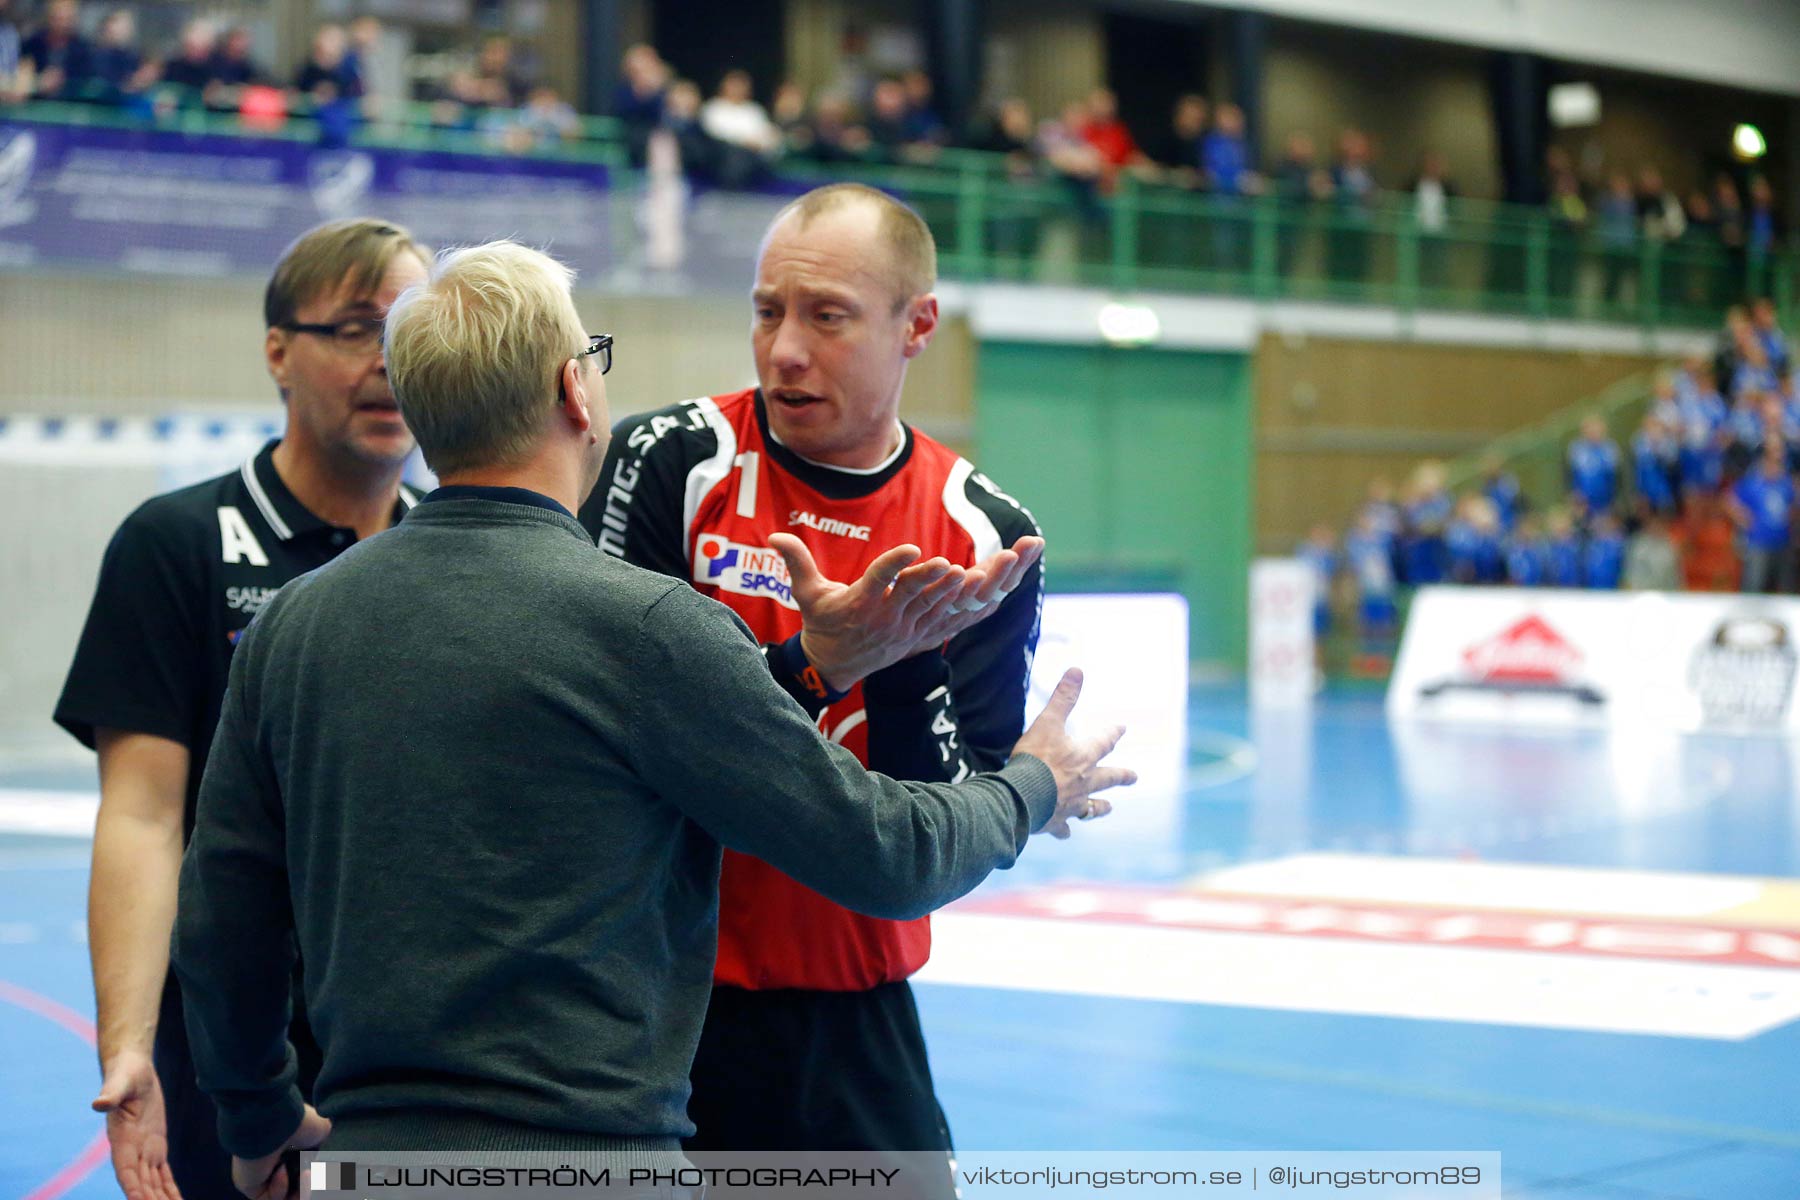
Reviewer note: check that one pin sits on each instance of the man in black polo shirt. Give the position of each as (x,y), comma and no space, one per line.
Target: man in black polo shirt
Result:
(181,579)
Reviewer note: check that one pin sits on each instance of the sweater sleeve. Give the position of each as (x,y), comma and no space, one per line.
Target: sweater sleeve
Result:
(718,738)
(233,948)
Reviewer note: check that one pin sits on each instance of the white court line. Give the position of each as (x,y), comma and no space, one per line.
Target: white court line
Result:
(46,813)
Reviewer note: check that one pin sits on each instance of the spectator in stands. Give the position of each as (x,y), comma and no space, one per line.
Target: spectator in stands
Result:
(1427,513)
(1501,487)
(1762,225)
(382,83)
(118,72)
(788,111)
(329,82)
(1320,553)
(1381,514)
(326,77)
(1603,558)
(1704,415)
(13,86)
(1304,187)
(638,102)
(1353,184)
(1568,221)
(1063,146)
(1699,244)
(1013,134)
(1754,372)
(192,66)
(1659,211)
(1527,554)
(1593,463)
(1369,552)
(1767,328)
(1102,129)
(1651,561)
(495,81)
(1562,550)
(1762,505)
(1748,431)
(1225,166)
(924,126)
(890,131)
(1224,156)
(1656,466)
(1733,232)
(1472,542)
(836,137)
(746,137)
(1178,150)
(1665,402)
(697,149)
(545,120)
(1432,192)
(57,55)
(1616,227)
(235,65)
(1707,541)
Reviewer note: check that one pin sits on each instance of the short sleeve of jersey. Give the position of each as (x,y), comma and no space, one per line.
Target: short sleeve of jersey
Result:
(635,510)
(139,663)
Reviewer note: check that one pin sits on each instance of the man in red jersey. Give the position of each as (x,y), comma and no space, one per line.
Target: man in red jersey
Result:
(812,1041)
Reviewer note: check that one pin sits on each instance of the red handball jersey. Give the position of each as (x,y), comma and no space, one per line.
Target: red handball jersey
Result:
(694,491)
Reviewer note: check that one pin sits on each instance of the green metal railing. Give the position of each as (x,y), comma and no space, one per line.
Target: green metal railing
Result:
(992,224)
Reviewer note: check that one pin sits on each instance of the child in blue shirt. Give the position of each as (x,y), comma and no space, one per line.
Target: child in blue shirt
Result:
(1527,557)
(1594,467)
(1603,560)
(1562,552)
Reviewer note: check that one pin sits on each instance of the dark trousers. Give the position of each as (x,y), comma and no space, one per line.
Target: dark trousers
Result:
(803,1070)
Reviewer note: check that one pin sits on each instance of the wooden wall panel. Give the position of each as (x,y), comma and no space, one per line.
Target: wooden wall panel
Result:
(1332,414)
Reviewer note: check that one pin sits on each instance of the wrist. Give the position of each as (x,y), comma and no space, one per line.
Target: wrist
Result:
(807,679)
(832,678)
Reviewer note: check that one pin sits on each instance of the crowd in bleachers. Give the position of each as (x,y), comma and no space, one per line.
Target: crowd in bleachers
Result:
(217,69)
(730,138)
(1702,499)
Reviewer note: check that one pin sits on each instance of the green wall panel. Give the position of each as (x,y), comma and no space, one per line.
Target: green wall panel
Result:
(1137,465)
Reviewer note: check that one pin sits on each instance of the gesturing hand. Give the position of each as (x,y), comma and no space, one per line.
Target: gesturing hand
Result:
(137,1126)
(851,630)
(1074,761)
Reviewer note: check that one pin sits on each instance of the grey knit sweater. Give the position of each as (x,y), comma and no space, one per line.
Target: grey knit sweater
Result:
(483,772)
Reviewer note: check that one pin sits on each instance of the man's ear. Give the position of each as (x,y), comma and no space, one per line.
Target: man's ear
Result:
(574,393)
(275,348)
(921,323)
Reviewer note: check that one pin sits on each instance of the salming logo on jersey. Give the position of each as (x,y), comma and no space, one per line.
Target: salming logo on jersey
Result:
(828,525)
(744,570)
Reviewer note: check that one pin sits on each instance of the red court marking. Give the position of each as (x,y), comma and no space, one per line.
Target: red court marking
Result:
(96,1151)
(1223,912)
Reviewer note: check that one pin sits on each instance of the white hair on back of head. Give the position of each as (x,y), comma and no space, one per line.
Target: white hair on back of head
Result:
(474,353)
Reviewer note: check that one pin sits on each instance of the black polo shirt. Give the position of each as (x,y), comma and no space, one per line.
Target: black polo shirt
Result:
(181,579)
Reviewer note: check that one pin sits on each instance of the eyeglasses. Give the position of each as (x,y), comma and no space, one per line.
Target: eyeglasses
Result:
(358,335)
(601,344)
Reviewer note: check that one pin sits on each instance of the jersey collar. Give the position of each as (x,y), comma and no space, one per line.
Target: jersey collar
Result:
(834,483)
(287,518)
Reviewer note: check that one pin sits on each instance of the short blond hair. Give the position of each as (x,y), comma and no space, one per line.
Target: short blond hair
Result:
(912,251)
(474,353)
(358,250)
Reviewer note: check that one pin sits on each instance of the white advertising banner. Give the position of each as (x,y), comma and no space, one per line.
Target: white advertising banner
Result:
(1568,658)
(1132,651)
(1281,632)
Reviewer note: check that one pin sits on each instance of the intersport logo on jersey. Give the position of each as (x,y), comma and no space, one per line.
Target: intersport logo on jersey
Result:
(744,570)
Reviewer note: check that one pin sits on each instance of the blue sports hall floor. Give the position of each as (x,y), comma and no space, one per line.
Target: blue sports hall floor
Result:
(1577,949)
